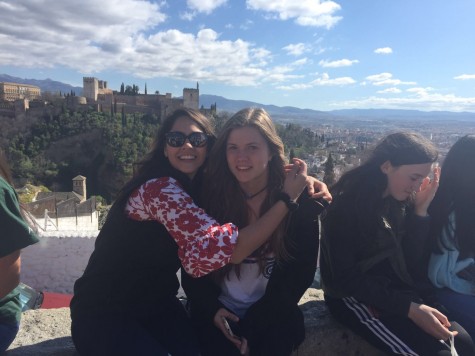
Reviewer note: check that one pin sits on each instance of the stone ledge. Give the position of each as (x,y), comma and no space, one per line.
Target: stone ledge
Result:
(325,336)
(47,332)
(44,332)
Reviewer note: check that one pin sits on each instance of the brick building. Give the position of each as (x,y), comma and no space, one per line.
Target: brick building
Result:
(15,91)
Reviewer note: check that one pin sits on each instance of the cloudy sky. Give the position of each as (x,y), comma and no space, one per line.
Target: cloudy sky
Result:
(323,55)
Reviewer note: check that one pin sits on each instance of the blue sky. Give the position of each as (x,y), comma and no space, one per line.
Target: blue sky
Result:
(322,55)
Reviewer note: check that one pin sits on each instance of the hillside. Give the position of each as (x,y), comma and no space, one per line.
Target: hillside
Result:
(52,147)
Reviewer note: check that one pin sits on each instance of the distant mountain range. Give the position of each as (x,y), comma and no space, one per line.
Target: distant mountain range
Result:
(280,113)
(46,85)
(293,113)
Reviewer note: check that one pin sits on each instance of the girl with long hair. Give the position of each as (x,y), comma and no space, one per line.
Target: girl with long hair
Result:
(16,235)
(252,306)
(125,303)
(374,239)
(452,263)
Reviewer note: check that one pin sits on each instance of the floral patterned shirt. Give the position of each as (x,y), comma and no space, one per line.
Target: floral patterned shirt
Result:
(203,244)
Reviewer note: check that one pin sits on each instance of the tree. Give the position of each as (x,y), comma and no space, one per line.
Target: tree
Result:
(219,120)
(124,119)
(291,154)
(329,177)
(122,88)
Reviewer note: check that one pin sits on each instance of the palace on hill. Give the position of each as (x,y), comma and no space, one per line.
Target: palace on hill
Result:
(20,100)
(14,91)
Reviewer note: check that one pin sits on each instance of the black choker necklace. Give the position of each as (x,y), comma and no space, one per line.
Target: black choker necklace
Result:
(249,197)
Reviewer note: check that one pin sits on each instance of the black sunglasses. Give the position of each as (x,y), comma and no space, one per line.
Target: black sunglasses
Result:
(178,139)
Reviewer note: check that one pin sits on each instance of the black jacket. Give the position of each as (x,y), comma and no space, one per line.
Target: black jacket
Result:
(380,267)
(132,270)
(288,282)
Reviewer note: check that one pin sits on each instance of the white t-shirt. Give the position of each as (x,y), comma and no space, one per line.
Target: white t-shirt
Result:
(238,294)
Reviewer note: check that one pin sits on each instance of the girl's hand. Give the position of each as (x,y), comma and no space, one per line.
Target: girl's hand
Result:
(244,350)
(426,193)
(318,189)
(295,178)
(220,324)
(430,320)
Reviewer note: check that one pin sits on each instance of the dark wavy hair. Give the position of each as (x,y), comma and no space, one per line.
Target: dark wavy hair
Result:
(222,195)
(155,164)
(456,193)
(365,184)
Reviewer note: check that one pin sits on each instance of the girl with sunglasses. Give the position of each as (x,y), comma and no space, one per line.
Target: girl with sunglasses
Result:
(257,298)
(125,303)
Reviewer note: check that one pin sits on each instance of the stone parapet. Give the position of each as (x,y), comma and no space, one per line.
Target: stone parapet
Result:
(326,337)
(47,332)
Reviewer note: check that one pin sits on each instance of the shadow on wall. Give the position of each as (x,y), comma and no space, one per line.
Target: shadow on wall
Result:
(61,346)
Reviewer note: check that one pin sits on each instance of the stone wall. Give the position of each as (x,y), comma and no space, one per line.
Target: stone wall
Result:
(57,260)
(47,332)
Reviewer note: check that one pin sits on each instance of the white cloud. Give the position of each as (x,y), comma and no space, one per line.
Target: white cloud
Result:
(300,62)
(305,12)
(390,91)
(296,49)
(298,86)
(323,80)
(206,6)
(465,77)
(73,34)
(379,77)
(426,101)
(76,36)
(188,15)
(420,91)
(246,25)
(383,50)
(386,79)
(338,63)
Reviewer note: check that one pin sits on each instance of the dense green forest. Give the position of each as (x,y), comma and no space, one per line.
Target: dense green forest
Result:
(103,147)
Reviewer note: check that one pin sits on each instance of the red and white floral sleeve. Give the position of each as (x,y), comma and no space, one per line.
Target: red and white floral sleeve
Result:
(203,244)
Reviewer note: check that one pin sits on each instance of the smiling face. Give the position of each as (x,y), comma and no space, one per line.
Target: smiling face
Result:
(186,159)
(248,156)
(404,180)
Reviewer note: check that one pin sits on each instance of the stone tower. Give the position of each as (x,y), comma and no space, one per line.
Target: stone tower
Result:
(79,187)
(191,97)
(90,87)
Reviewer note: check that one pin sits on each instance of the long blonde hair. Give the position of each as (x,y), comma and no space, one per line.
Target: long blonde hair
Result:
(223,198)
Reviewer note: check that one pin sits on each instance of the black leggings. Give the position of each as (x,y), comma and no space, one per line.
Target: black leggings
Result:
(169,332)
(394,334)
(280,339)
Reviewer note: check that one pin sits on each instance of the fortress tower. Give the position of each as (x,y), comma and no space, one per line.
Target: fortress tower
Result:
(91,87)
(191,97)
